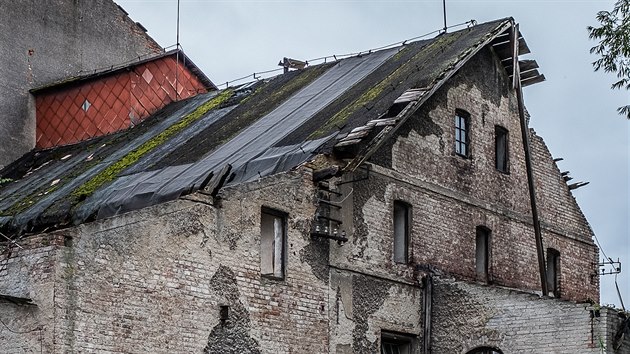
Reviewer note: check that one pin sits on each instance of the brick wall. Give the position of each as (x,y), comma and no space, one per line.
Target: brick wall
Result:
(28,270)
(466,316)
(450,195)
(155,279)
(71,113)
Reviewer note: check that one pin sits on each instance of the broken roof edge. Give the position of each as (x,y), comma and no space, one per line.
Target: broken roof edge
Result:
(114,69)
(373,145)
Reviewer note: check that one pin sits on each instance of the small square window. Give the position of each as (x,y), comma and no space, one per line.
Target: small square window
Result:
(272,243)
(501,149)
(462,132)
(402,216)
(394,343)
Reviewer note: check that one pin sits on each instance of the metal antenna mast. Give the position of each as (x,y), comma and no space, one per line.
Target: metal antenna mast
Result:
(444,8)
(177,57)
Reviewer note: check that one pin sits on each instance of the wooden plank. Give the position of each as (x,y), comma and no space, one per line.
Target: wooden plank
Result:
(533,80)
(348,142)
(410,95)
(357,135)
(516,75)
(382,121)
(528,74)
(524,65)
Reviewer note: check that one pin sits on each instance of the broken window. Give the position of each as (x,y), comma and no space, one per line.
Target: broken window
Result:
(501,148)
(272,242)
(482,256)
(553,272)
(402,216)
(462,119)
(394,343)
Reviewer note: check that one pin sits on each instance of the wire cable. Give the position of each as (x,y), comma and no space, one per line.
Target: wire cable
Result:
(38,328)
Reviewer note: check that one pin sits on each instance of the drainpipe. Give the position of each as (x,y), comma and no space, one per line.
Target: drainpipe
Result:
(426,311)
(516,83)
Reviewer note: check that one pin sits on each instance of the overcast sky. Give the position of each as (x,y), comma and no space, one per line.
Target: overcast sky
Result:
(574,110)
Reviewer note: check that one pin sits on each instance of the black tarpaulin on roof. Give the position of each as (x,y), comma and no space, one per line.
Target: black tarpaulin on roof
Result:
(253,144)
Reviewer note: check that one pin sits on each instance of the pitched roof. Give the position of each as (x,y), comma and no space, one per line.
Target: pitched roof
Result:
(236,135)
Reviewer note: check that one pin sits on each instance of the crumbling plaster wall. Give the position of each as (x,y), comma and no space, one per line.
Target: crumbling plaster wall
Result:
(153,280)
(451,195)
(28,270)
(363,306)
(469,315)
(48,41)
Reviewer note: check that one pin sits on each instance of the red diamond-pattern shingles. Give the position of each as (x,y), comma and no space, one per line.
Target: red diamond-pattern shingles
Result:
(116,102)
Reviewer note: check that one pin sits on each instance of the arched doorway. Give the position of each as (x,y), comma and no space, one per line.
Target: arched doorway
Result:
(485,350)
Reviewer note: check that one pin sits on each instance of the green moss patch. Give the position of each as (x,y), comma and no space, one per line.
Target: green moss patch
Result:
(112,171)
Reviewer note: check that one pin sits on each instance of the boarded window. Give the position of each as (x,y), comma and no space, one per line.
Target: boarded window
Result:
(402,218)
(394,343)
(462,139)
(482,253)
(501,149)
(272,241)
(553,272)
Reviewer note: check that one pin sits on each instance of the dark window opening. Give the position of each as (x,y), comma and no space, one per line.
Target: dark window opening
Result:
(482,253)
(485,350)
(402,217)
(553,272)
(462,131)
(272,243)
(501,149)
(394,343)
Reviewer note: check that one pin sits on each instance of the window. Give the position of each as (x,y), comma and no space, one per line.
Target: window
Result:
(402,216)
(482,253)
(553,272)
(501,149)
(393,343)
(485,350)
(462,120)
(272,243)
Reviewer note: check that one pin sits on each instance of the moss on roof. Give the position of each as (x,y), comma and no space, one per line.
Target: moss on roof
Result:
(111,172)
(264,100)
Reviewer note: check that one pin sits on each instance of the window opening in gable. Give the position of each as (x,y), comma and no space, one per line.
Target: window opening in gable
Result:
(272,243)
(501,149)
(394,343)
(482,253)
(402,217)
(462,132)
(553,272)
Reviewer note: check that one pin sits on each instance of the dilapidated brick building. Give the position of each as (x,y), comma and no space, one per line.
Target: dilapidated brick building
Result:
(377,203)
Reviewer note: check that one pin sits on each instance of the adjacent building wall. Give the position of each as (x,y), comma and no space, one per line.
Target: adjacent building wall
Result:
(47,41)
